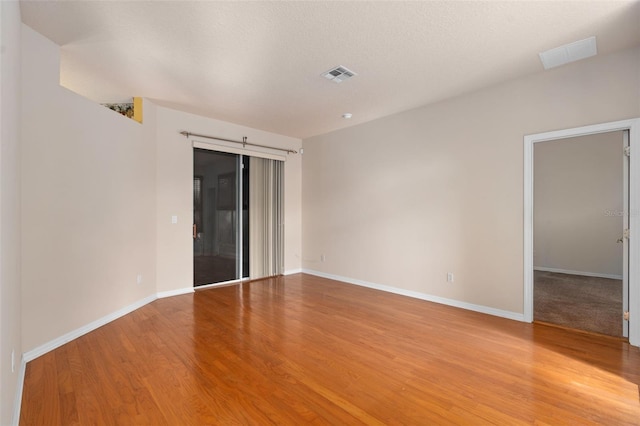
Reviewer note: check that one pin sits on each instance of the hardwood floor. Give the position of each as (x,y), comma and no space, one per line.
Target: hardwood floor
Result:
(300,349)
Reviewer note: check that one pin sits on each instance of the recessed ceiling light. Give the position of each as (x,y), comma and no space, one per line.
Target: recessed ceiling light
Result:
(569,53)
(347,115)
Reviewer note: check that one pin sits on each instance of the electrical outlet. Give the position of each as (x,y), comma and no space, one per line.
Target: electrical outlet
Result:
(139,279)
(449,277)
(13,360)
(322,258)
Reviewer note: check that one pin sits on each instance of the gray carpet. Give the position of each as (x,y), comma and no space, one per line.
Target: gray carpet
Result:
(579,302)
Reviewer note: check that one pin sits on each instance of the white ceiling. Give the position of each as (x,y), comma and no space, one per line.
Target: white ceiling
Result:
(259,63)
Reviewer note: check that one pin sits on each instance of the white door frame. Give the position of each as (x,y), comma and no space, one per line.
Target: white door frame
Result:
(633,126)
(625,225)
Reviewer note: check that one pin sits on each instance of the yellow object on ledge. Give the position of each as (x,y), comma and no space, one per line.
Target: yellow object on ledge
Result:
(137,109)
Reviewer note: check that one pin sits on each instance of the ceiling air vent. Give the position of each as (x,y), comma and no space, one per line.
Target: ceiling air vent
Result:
(339,74)
(567,53)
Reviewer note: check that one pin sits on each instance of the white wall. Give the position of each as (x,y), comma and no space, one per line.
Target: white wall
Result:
(88,203)
(10,222)
(174,176)
(402,200)
(577,193)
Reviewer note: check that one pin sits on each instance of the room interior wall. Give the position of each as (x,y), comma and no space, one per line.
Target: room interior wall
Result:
(403,200)
(88,203)
(10,221)
(578,204)
(174,175)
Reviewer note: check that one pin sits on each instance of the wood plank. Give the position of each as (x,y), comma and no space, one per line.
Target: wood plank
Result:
(307,350)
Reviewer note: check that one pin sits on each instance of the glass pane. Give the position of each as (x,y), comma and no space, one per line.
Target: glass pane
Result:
(215,218)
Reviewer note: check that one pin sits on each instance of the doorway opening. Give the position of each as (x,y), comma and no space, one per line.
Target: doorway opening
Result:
(633,217)
(580,212)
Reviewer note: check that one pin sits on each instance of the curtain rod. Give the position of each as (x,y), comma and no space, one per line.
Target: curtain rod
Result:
(243,142)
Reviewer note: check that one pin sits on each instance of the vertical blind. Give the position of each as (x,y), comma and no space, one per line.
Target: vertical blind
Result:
(266,239)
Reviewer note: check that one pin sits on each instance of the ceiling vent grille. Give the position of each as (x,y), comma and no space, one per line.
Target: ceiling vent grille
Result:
(339,74)
(569,53)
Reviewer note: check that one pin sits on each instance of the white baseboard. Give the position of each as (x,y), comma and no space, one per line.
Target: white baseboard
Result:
(293,271)
(55,343)
(178,292)
(423,296)
(570,272)
(17,401)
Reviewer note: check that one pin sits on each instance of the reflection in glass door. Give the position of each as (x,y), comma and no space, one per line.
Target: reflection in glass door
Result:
(220,212)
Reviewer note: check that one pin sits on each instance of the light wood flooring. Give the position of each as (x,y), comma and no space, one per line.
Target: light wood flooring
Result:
(301,350)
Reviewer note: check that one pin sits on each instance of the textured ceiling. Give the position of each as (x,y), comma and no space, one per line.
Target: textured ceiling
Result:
(259,63)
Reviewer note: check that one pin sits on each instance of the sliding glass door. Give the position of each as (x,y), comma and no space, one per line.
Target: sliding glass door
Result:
(237,217)
(220,217)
